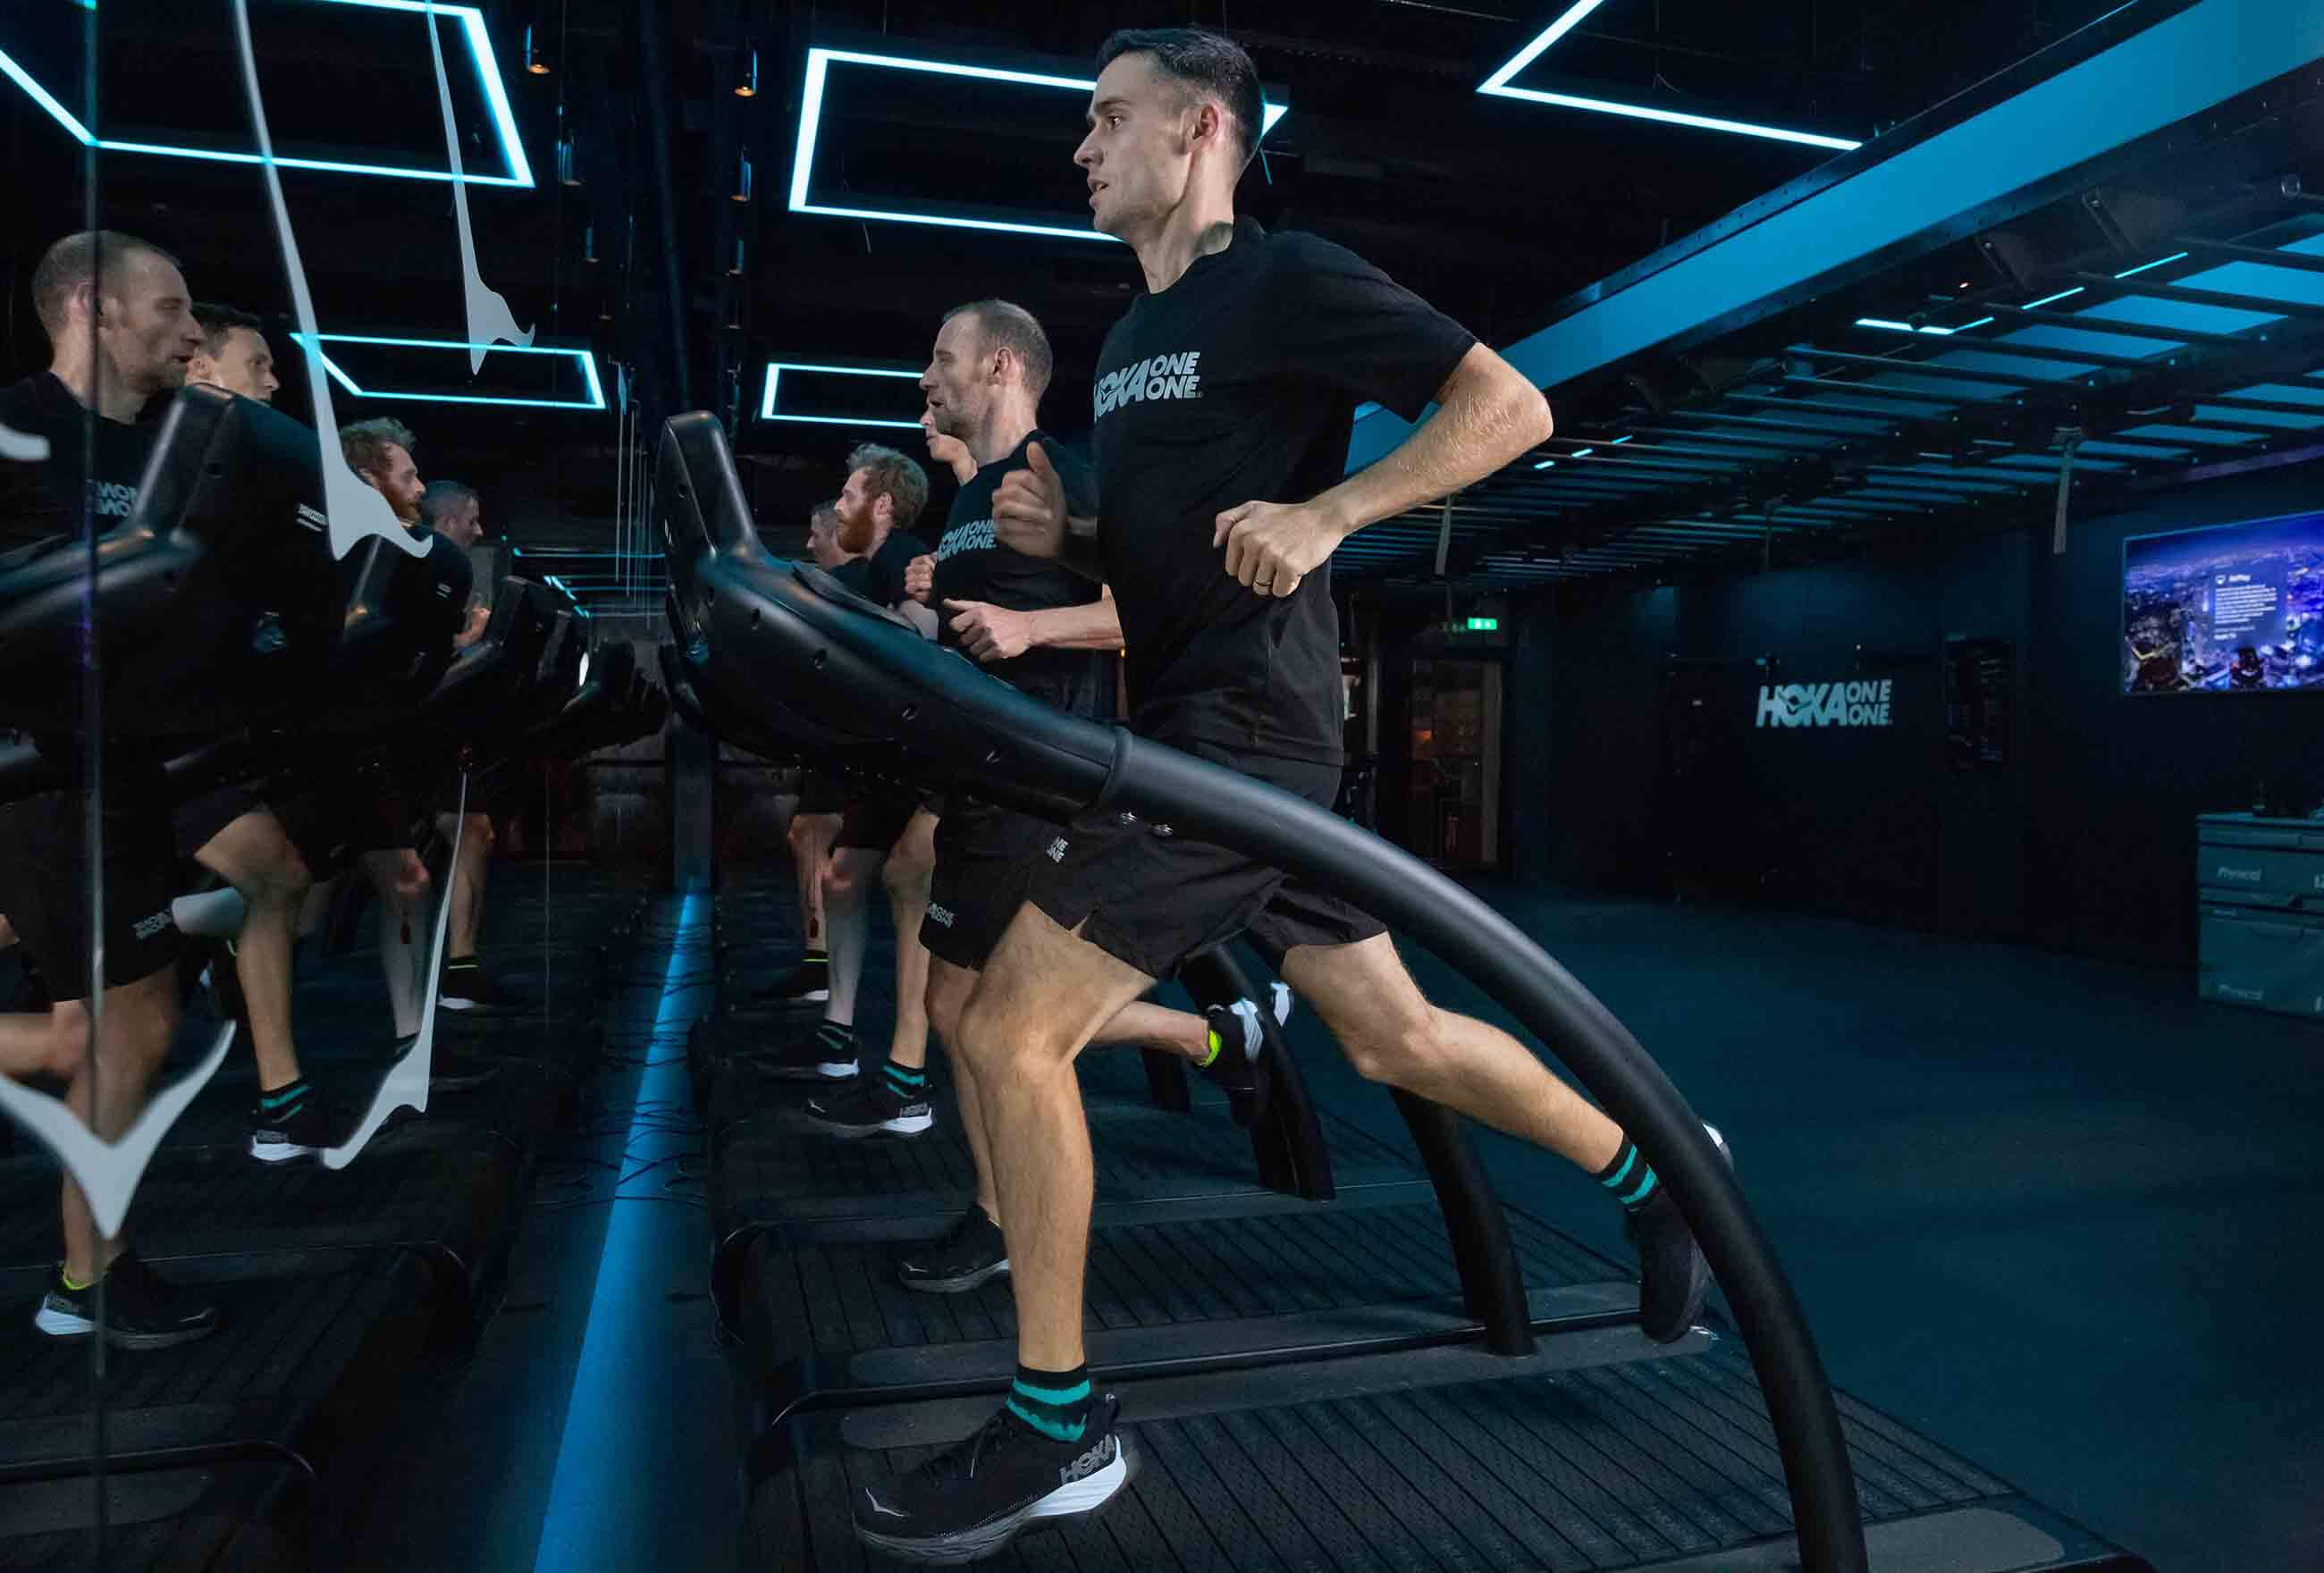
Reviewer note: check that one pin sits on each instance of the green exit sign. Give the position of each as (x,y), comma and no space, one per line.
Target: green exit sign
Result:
(1474,625)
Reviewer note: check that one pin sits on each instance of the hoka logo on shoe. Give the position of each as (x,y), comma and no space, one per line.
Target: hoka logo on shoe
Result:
(1057,851)
(939,914)
(1091,1462)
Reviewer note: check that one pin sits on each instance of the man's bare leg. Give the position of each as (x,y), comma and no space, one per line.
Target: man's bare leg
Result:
(810,837)
(255,855)
(911,866)
(846,883)
(949,988)
(1393,1034)
(475,833)
(399,879)
(1042,996)
(140,1019)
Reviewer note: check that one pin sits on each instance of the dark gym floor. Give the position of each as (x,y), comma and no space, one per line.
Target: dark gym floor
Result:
(2050,1212)
(2056,1214)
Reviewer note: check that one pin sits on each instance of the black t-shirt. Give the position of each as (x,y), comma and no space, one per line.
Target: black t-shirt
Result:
(883,570)
(40,502)
(972,566)
(1239,383)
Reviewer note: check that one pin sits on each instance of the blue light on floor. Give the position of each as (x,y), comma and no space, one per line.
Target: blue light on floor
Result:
(591,1464)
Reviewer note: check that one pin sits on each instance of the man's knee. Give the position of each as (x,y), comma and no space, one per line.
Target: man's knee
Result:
(1003,1047)
(844,875)
(906,879)
(1398,1048)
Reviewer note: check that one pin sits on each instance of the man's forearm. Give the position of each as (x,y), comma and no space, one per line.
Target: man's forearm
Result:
(1487,415)
(1096,626)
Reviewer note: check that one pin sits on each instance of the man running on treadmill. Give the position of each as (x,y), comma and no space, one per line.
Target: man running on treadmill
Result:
(234,354)
(455,512)
(821,800)
(1223,405)
(121,329)
(1054,634)
(886,830)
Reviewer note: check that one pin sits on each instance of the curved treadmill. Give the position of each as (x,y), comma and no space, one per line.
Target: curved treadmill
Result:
(1467,1429)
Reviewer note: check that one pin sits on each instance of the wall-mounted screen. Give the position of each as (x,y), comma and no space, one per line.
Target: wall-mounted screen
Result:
(2234,609)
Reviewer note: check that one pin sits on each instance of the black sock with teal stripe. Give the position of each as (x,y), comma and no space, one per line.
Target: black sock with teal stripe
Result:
(1632,1182)
(1056,1403)
(905,1082)
(286,1100)
(836,1039)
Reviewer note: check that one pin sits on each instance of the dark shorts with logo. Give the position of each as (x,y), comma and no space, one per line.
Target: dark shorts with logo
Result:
(1150,898)
(985,857)
(47,887)
(878,814)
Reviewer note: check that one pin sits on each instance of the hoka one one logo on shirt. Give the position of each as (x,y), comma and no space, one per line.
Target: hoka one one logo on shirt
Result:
(1175,376)
(976,536)
(111,498)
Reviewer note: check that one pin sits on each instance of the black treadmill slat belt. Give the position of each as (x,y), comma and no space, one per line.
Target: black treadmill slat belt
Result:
(1683,1464)
(1884,1488)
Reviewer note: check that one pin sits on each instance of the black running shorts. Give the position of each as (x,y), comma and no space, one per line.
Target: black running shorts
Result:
(822,792)
(985,856)
(1148,896)
(46,887)
(878,814)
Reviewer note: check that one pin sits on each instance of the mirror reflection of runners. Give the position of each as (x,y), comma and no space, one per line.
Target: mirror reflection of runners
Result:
(886,830)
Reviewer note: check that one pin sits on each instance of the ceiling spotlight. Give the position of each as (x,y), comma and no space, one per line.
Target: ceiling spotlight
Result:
(568,169)
(535,63)
(736,271)
(742,178)
(748,87)
(589,243)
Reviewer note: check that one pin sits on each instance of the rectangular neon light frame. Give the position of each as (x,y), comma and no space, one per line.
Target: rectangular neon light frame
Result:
(1497,86)
(775,370)
(819,64)
(480,49)
(588,370)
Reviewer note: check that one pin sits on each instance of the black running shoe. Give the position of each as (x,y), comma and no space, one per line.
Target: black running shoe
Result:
(1241,1069)
(809,983)
(966,1255)
(812,1058)
(967,1503)
(871,1108)
(309,1126)
(141,1311)
(465,987)
(1673,1278)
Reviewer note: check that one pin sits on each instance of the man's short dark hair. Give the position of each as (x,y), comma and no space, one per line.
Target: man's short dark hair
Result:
(904,482)
(443,497)
(825,516)
(74,260)
(218,323)
(1006,326)
(1204,63)
(365,443)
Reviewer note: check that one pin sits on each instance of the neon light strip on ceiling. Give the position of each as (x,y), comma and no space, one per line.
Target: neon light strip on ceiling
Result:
(480,49)
(597,400)
(1497,86)
(774,369)
(818,64)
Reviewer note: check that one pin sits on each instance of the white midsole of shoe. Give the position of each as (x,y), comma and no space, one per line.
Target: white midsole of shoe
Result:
(1088,1492)
(59,1325)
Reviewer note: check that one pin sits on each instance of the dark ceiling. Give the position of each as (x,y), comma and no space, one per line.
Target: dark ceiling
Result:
(1494,208)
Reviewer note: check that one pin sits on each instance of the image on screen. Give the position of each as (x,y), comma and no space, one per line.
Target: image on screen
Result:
(2236,609)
